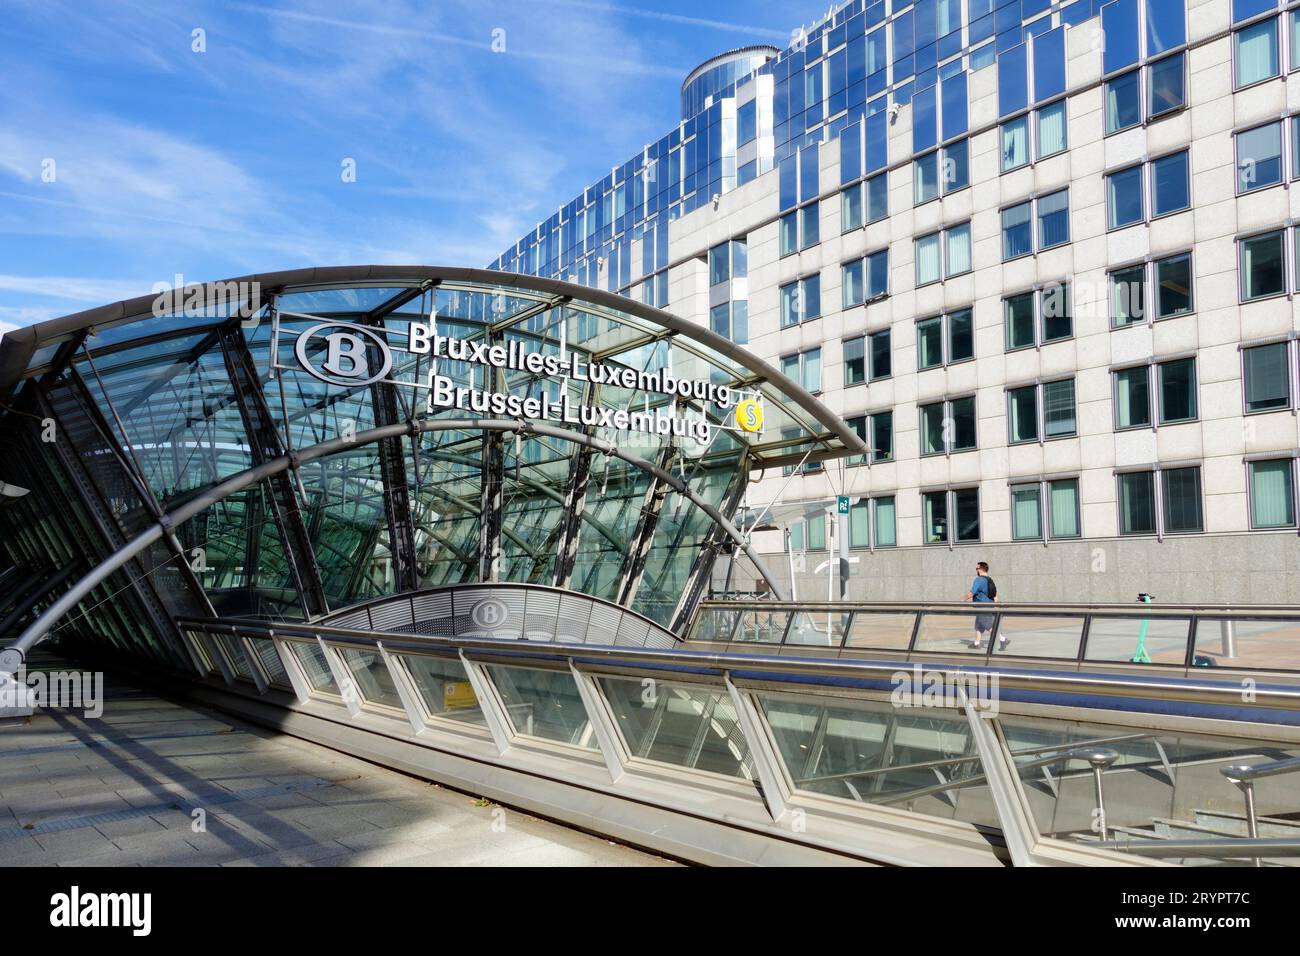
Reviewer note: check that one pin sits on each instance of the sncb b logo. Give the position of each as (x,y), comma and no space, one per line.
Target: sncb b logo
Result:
(489,614)
(346,357)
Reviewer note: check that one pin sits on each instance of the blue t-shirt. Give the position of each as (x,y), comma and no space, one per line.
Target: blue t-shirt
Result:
(980,589)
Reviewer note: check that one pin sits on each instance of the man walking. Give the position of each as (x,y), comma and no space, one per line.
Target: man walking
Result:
(982,591)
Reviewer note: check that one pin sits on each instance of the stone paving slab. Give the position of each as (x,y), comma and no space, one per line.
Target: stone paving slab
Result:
(123,790)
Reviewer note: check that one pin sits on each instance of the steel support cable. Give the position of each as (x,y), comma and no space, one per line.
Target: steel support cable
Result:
(12,657)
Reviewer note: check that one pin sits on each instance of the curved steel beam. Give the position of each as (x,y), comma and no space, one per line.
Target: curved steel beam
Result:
(12,657)
(19,345)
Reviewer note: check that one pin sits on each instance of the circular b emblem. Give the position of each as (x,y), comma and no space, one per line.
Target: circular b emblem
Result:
(345,360)
(489,614)
(749,415)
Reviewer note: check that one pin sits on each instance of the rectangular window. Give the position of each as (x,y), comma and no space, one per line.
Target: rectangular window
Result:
(1061,515)
(1056,312)
(934,512)
(1170,187)
(1124,197)
(929,343)
(957,250)
(747,122)
(1255,52)
(956,166)
(851,284)
(1259,157)
(804,368)
(877,197)
(720,319)
(1169,281)
(881,361)
(1017,234)
(859,425)
(1019,313)
(809,226)
(928,260)
(1137,503)
(1022,414)
(1058,408)
(1167,87)
(1295,139)
(1272,494)
(801,301)
(1015,143)
(877,277)
(860,524)
(1057,419)
(1267,382)
(945,339)
(925,179)
(1052,137)
(1054,219)
(961,336)
(1038,317)
(1177,391)
(1181,494)
(720,264)
(951,516)
(966,514)
(1127,295)
(885,524)
(1063,508)
(791,305)
(1026,512)
(812,370)
(882,436)
(855,363)
(817,532)
(948,426)
(1123,102)
(1173,286)
(1262,266)
(789,242)
(851,209)
(1132,398)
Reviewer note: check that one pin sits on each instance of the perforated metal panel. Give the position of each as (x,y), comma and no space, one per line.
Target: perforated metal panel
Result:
(391,616)
(359,619)
(575,613)
(509,612)
(632,631)
(433,614)
(603,626)
(541,608)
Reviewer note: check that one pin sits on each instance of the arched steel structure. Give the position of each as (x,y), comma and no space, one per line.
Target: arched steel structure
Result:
(175,447)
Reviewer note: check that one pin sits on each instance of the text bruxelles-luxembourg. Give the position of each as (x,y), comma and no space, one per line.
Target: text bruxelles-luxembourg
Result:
(514,355)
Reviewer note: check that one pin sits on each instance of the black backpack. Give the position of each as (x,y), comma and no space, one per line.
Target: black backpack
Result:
(993,589)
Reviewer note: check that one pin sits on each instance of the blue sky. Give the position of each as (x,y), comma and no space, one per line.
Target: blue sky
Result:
(229,161)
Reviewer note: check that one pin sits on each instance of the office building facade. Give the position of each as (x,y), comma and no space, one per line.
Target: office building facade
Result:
(1041,257)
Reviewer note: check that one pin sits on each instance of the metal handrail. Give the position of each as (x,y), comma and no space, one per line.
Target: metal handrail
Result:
(953,761)
(1190,619)
(716,658)
(1243,776)
(1078,753)
(1229,848)
(1274,768)
(1122,609)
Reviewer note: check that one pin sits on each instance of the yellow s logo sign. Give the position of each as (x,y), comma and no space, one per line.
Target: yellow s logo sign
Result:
(749,415)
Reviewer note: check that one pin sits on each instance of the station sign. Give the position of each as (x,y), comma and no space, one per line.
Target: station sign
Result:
(352,356)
